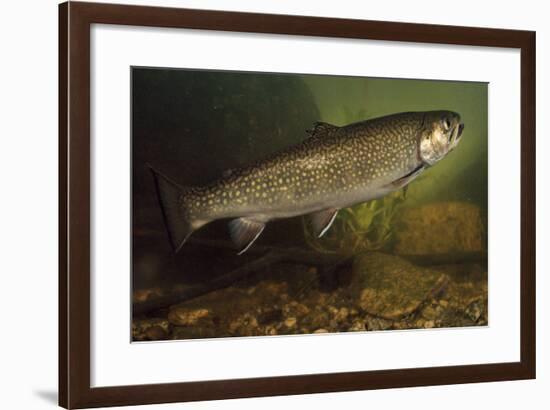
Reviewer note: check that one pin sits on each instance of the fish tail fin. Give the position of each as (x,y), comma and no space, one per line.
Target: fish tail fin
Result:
(173,199)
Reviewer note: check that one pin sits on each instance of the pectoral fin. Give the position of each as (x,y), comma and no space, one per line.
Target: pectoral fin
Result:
(404,180)
(244,232)
(321,221)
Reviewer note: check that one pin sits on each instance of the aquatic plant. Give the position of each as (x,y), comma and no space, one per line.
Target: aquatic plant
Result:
(364,227)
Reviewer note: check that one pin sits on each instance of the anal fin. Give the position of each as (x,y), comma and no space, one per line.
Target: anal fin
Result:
(244,232)
(322,220)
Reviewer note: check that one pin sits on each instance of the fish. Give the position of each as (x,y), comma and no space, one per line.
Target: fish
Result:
(335,167)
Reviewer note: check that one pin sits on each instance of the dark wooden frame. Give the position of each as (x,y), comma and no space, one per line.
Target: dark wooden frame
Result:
(75,20)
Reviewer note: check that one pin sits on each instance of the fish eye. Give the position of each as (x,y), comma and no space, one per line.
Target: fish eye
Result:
(446,123)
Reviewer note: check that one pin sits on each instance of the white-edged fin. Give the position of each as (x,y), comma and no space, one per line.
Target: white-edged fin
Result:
(321,221)
(244,232)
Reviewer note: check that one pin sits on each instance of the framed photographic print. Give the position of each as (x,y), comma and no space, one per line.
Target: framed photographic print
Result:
(255,205)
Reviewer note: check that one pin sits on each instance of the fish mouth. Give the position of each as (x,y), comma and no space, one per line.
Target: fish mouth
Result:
(460,130)
(456,133)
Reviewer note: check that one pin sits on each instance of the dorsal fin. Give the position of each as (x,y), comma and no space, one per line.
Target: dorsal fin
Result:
(322,129)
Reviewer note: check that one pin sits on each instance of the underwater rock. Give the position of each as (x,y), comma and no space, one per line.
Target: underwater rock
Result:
(387,292)
(476,310)
(295,309)
(428,324)
(473,311)
(156,333)
(270,316)
(245,325)
(290,322)
(357,326)
(196,332)
(342,314)
(317,319)
(150,329)
(181,316)
(443,228)
(430,312)
(141,295)
(271,288)
(390,287)
(375,323)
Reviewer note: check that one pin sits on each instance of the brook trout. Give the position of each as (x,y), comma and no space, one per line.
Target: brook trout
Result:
(334,168)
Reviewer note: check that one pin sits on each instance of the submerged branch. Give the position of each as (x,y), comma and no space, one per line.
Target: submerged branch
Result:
(269,256)
(327,263)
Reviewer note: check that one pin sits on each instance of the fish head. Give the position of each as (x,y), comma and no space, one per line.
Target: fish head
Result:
(441,133)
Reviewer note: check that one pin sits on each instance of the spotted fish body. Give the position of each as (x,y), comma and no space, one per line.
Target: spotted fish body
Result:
(334,168)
